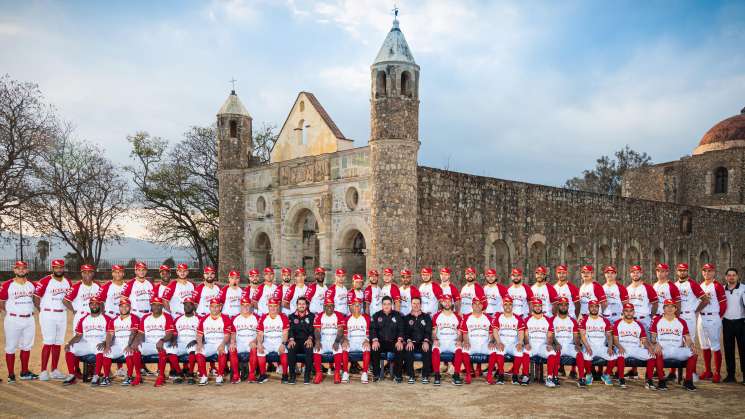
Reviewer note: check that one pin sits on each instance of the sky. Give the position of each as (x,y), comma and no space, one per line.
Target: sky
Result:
(531,91)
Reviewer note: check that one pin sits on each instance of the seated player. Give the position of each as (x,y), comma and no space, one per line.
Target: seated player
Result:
(597,340)
(156,329)
(300,339)
(89,339)
(213,336)
(630,340)
(120,338)
(509,335)
(476,334)
(567,341)
(357,335)
(445,325)
(539,341)
(243,341)
(186,339)
(273,330)
(329,336)
(671,339)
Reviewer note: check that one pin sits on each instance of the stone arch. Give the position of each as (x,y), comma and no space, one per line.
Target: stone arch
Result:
(536,255)
(499,254)
(725,255)
(604,257)
(721,179)
(633,257)
(305,235)
(703,257)
(380,84)
(682,256)
(260,248)
(406,84)
(658,256)
(351,247)
(571,259)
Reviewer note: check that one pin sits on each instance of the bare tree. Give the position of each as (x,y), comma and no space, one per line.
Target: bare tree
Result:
(85,198)
(608,173)
(263,142)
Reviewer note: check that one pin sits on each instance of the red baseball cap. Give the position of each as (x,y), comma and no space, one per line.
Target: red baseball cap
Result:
(188,300)
(491,272)
(446,297)
(593,303)
(476,300)
(215,301)
(21,264)
(682,266)
(58,263)
(253,271)
(356,277)
(470,270)
(209,269)
(516,271)
(156,300)
(164,268)
(669,302)
(445,270)
(628,306)
(286,270)
(274,301)
(269,270)
(341,271)
(610,268)
(563,300)
(405,272)
(234,273)
(182,267)
(562,268)
(387,271)
(426,270)
(373,272)
(587,268)
(507,299)
(708,267)
(636,268)
(355,300)
(299,271)
(328,300)
(663,267)
(542,269)
(536,301)
(123,300)
(245,301)
(94,299)
(320,270)
(140,265)
(87,268)
(117,267)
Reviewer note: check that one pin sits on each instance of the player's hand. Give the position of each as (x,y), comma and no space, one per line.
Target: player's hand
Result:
(67,347)
(518,347)
(317,348)
(425,346)
(500,346)
(191,344)
(558,347)
(399,345)
(549,348)
(366,346)
(101,346)
(252,345)
(260,349)
(588,350)
(409,346)
(291,343)
(159,345)
(578,348)
(657,349)
(527,347)
(466,346)
(282,349)
(309,343)
(621,351)
(335,346)
(345,345)
(375,345)
(128,350)
(492,346)
(610,351)
(435,343)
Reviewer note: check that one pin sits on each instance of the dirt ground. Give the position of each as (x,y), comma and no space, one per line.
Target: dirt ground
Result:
(386,399)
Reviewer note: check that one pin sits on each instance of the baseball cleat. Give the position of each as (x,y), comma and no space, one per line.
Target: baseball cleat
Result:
(398,380)
(557,382)
(436,382)
(178,380)
(662,385)
(581,383)
(292,380)
(650,385)
(363,378)
(285,380)
(425,380)
(11,379)
(622,382)
(263,378)
(500,379)
(44,376)
(191,380)
(456,380)
(306,380)
(57,375)
(121,372)
(28,376)
(605,378)
(588,379)
(411,380)
(203,380)
(218,380)
(127,381)
(688,385)
(105,382)
(550,383)
(147,372)
(94,381)
(525,380)
(71,379)
(344,377)
(515,379)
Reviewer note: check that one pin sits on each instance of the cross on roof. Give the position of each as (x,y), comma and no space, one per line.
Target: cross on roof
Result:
(395,10)
(232,81)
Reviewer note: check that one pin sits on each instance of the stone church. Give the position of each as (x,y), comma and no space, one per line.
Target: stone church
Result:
(321,201)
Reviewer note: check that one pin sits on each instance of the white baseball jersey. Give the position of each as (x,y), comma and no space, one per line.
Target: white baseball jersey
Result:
(51,292)
(478,328)
(447,325)
(155,328)
(93,328)
(670,333)
(316,294)
(467,294)
(329,327)
(279,293)
(690,297)
(588,292)
(122,328)
(175,293)
(716,293)
(520,295)
(203,293)
(595,330)
(642,297)
(547,294)
(357,329)
(19,298)
(508,328)
(665,291)
(110,294)
(296,291)
(214,329)
(615,295)
(493,294)
(629,334)
(407,293)
(374,298)
(139,292)
(339,295)
(430,294)
(273,329)
(230,297)
(390,290)
(245,328)
(186,329)
(80,294)
(565,329)
(537,330)
(570,292)
(263,294)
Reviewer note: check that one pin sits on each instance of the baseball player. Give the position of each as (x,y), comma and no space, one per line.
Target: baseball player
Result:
(520,294)
(213,336)
(253,284)
(139,290)
(17,302)
(372,297)
(670,340)
(567,341)
(337,292)
(186,326)
(317,291)
(712,307)
(597,339)
(283,288)
(48,296)
(471,289)
(538,342)
(163,279)
(89,339)
(494,293)
(272,335)
(155,330)
(509,335)
(644,298)
(545,291)
(121,333)
(357,332)
(665,289)
(390,289)
(357,282)
(445,327)
(77,297)
(448,288)
(245,330)
(615,293)
(301,339)
(177,291)
(568,290)
(265,292)
(231,294)
(429,291)
(590,290)
(329,336)
(297,290)
(476,335)
(690,299)
(630,340)
(111,292)
(407,291)
(206,291)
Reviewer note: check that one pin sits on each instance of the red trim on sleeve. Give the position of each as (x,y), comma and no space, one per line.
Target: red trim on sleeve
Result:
(4,290)
(41,286)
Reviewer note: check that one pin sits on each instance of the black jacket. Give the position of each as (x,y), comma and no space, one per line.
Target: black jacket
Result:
(418,328)
(301,327)
(387,328)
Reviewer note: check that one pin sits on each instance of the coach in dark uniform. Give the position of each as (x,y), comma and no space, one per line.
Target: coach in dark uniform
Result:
(300,339)
(387,335)
(418,339)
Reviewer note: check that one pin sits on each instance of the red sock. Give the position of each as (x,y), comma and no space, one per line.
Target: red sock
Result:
(25,355)
(621,364)
(130,365)
(436,360)
(490,368)
(71,360)
(609,367)
(499,359)
(46,350)
(660,362)
(202,365)
(55,356)
(317,361)
(526,364)
(457,361)
(717,362)
(262,365)
(366,361)
(337,364)
(162,364)
(707,360)
(650,368)
(191,362)
(173,360)
(691,366)
(588,367)
(466,360)
(345,361)
(550,365)
(580,365)
(212,365)
(106,366)
(283,361)
(137,358)
(234,364)
(516,362)
(253,362)
(10,361)
(99,364)
(222,361)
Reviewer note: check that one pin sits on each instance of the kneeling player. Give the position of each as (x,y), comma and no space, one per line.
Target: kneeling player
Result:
(476,332)
(539,342)
(156,329)
(89,339)
(509,335)
(631,340)
(445,325)
(567,340)
(597,339)
(120,339)
(213,336)
(358,336)
(244,340)
(329,335)
(671,340)
(272,334)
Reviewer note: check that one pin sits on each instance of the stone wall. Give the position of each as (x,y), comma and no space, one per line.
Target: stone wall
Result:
(467,220)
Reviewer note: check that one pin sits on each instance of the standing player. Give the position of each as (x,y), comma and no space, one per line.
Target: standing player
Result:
(177,291)
(445,326)
(297,290)
(139,290)
(283,288)
(245,330)
(356,291)
(407,291)
(337,292)
(317,291)
(253,285)
(357,330)
(213,336)
(471,289)
(476,334)
(615,293)
(567,339)
(17,301)
(372,297)
(597,339)
(156,329)
(448,288)
(494,293)
(509,335)
(520,294)
(265,292)
(230,295)
(430,292)
(390,289)
(670,339)
(48,298)
(272,334)
(206,291)
(590,290)
(568,290)
(329,336)
(77,297)
(539,339)
(185,326)
(690,300)
(712,308)
(111,292)
(89,339)
(120,339)
(545,291)
(163,279)
(630,340)
(642,296)
(665,289)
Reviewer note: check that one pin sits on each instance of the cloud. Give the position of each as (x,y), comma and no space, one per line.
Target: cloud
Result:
(352,79)
(10,29)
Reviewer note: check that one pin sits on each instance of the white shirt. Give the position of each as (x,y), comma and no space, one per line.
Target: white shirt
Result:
(735,302)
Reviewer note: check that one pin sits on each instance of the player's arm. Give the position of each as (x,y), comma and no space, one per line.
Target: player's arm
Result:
(656,348)
(317,338)
(2,305)
(68,305)
(609,341)
(339,336)
(167,338)
(549,340)
(283,347)
(618,345)
(655,304)
(75,339)
(520,340)
(585,343)
(435,341)
(37,302)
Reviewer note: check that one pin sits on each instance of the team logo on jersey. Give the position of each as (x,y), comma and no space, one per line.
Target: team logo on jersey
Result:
(411,322)
(296,321)
(380,320)
(393,319)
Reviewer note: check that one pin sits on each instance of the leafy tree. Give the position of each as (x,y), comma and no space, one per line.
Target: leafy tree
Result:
(608,173)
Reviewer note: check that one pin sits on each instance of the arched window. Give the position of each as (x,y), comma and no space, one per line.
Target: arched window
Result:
(233,129)
(406,84)
(720,180)
(302,106)
(302,132)
(686,223)
(380,84)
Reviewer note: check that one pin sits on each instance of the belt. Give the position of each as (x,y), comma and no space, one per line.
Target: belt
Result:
(111,313)
(641,317)
(709,314)
(689,312)
(53,310)
(142,311)
(18,315)
(613,314)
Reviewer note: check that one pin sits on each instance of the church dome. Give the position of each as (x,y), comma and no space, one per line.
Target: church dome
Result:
(729,133)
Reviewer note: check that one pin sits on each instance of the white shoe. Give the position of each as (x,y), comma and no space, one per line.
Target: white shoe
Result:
(279,369)
(695,377)
(364,378)
(58,375)
(213,372)
(121,372)
(550,383)
(44,376)
(218,380)
(344,377)
(203,380)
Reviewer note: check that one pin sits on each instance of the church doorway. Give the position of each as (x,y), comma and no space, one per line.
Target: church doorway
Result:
(263,251)
(353,253)
(310,247)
